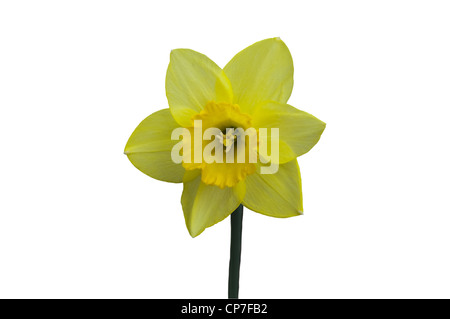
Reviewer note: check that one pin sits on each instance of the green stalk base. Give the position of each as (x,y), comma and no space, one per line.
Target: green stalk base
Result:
(235,252)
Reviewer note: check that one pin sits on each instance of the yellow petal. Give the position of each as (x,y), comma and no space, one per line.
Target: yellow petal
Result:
(276,195)
(149,148)
(262,72)
(190,175)
(206,205)
(298,131)
(192,81)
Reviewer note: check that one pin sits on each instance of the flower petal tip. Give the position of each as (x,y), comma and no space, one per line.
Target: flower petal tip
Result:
(195,232)
(193,235)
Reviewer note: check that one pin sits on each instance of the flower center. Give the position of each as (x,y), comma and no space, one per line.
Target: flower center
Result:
(231,122)
(228,139)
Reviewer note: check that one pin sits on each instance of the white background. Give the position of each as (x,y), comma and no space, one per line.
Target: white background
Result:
(78,220)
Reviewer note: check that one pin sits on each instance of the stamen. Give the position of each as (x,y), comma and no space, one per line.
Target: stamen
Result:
(228,139)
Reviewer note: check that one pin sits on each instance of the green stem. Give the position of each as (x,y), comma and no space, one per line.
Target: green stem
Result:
(235,252)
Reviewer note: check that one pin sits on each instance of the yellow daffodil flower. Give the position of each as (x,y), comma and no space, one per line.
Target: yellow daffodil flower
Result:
(251,91)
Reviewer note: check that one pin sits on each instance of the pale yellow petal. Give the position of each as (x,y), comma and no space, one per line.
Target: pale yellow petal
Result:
(190,175)
(206,205)
(192,81)
(298,131)
(262,72)
(149,148)
(276,195)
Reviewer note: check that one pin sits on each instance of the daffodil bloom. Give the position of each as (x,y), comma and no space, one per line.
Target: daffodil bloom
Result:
(251,91)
